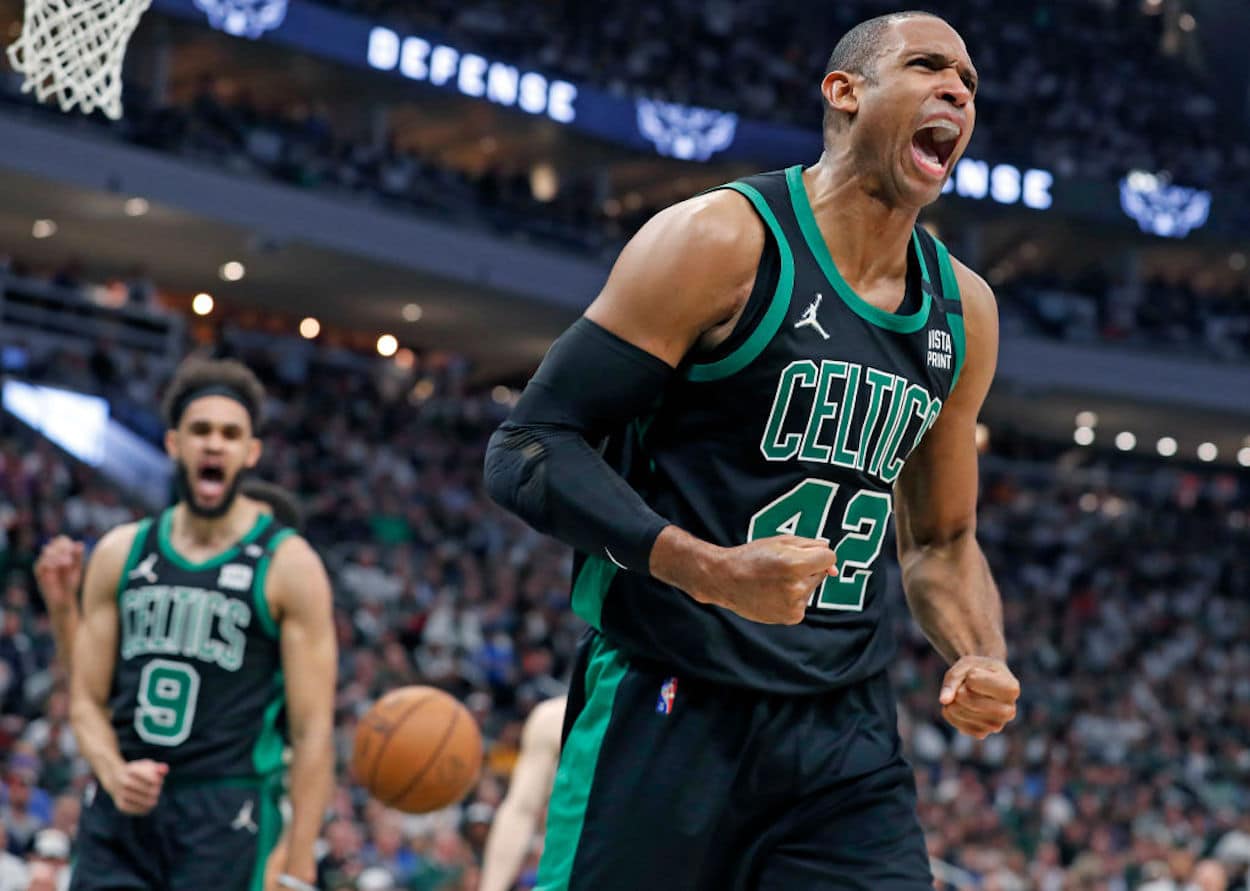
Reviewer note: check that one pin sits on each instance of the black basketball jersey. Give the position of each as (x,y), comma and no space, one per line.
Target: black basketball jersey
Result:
(800,425)
(198,682)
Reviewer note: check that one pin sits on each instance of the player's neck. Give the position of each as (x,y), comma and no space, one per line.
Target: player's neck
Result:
(871,234)
(200,533)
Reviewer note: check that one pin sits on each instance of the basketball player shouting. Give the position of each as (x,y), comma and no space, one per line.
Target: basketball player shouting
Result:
(778,367)
(205,634)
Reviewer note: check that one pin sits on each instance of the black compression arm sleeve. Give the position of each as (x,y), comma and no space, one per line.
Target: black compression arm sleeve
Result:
(541,463)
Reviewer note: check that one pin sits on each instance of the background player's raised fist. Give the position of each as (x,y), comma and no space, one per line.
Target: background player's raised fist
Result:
(135,786)
(59,572)
(768,581)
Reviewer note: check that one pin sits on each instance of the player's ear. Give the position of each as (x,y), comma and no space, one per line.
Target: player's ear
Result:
(171,444)
(254,449)
(841,91)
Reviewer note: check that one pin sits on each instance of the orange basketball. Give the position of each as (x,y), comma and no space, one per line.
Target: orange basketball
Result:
(417,749)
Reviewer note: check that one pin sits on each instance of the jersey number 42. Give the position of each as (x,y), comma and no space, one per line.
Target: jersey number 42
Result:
(804,511)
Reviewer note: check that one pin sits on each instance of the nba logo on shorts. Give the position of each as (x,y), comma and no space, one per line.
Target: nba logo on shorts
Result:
(668,693)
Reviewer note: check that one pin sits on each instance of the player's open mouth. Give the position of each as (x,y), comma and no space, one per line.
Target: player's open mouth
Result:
(210,481)
(933,144)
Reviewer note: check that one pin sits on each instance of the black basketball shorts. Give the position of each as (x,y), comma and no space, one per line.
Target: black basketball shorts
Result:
(211,836)
(668,782)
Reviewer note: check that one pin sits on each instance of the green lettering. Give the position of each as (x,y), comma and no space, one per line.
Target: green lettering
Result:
(916,398)
(803,372)
(235,617)
(887,431)
(215,605)
(841,455)
(822,409)
(878,383)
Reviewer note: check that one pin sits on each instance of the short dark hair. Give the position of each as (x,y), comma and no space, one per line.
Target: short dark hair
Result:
(860,48)
(212,376)
(286,507)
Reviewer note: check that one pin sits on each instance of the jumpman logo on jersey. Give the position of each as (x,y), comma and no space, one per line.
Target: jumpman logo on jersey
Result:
(145,570)
(809,319)
(244,819)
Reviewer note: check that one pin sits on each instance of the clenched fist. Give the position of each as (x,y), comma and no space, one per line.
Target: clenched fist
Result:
(135,786)
(979,695)
(769,580)
(58,572)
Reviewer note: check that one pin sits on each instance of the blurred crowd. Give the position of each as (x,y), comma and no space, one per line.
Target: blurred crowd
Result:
(1126,601)
(1164,313)
(1038,62)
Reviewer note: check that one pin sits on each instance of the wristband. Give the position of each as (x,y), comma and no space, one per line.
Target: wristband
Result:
(286,880)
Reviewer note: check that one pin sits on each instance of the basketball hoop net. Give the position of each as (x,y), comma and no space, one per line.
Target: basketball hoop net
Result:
(73,50)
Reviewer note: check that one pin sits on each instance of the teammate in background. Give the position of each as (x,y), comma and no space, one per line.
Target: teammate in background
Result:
(776,366)
(201,630)
(512,831)
(58,570)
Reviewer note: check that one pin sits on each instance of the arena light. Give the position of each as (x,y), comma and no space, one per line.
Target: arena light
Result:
(423,389)
(501,394)
(309,328)
(1166,446)
(202,304)
(1243,456)
(405,359)
(412,312)
(232,271)
(1086,419)
(1083,436)
(544,182)
(43,229)
(1208,452)
(1187,22)
(387,345)
(136,207)
(1125,441)
(1237,261)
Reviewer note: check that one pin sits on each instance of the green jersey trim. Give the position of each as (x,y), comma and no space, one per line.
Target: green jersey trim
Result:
(260,597)
(903,324)
(768,326)
(579,761)
(950,287)
(167,547)
(269,745)
(132,556)
(591,589)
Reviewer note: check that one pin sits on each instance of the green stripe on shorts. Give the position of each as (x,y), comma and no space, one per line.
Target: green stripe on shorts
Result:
(268,829)
(578,761)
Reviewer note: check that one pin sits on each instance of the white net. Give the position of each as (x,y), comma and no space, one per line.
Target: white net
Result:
(73,49)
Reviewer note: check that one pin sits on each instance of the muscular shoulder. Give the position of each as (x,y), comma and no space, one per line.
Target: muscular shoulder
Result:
(297,577)
(980,311)
(690,268)
(108,559)
(979,304)
(114,546)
